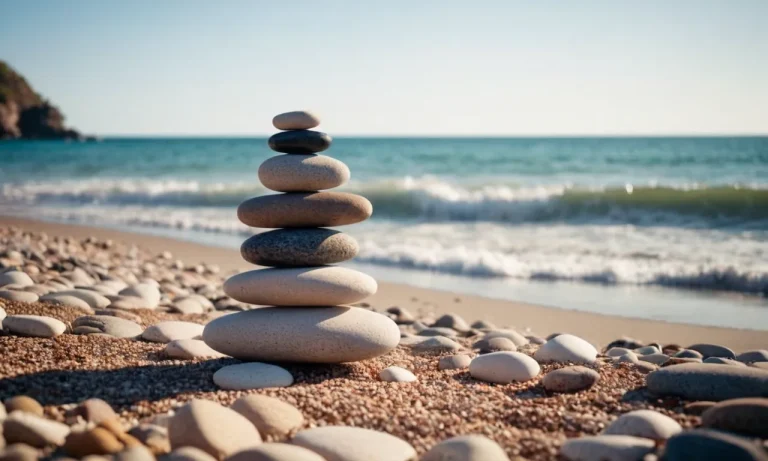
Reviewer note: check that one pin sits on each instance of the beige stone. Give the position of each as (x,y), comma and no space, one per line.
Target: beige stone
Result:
(296,120)
(252,375)
(504,367)
(276,452)
(271,416)
(190,349)
(343,443)
(34,325)
(302,173)
(317,209)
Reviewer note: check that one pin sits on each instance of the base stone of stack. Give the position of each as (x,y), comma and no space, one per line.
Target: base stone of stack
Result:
(305,286)
(302,173)
(317,209)
(299,248)
(312,335)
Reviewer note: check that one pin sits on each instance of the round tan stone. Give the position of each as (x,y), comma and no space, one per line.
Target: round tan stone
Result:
(36,431)
(252,375)
(276,452)
(312,286)
(299,248)
(271,416)
(343,443)
(302,173)
(190,349)
(471,447)
(647,424)
(296,120)
(97,441)
(25,404)
(504,367)
(16,295)
(316,209)
(61,299)
(454,362)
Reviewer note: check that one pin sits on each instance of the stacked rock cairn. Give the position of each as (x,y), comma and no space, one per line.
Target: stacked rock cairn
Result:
(306,317)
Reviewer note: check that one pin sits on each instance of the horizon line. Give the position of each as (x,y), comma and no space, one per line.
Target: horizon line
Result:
(433,136)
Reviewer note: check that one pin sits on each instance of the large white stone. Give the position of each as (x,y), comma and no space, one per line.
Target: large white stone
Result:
(295,334)
(473,447)
(146,291)
(17,278)
(647,424)
(504,367)
(302,173)
(171,330)
(252,375)
(343,443)
(566,348)
(313,286)
(34,325)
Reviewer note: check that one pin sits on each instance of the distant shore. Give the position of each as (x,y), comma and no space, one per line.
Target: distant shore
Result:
(597,328)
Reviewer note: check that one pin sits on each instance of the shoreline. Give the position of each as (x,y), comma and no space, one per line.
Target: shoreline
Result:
(597,328)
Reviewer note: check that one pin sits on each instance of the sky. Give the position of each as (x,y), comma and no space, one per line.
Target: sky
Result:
(463,68)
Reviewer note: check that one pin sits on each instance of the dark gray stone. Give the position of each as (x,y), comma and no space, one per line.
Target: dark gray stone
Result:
(713,350)
(759,355)
(300,142)
(705,381)
(299,248)
(706,445)
(743,416)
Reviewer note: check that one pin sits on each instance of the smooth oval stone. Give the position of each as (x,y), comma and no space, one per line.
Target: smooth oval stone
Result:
(713,350)
(722,361)
(34,325)
(606,448)
(494,345)
(454,362)
(60,299)
(618,352)
(504,367)
(18,278)
(296,120)
(706,444)
(344,443)
(471,447)
(298,209)
(276,452)
(294,334)
(397,375)
(15,295)
(435,345)
(190,349)
(688,354)
(171,330)
(656,359)
(96,441)
(253,375)
(452,321)
(570,379)
(704,381)
(512,335)
(566,348)
(94,299)
(107,324)
(33,430)
(299,142)
(299,248)
(188,305)
(743,416)
(647,424)
(95,411)
(192,454)
(146,291)
(302,173)
(271,416)
(217,430)
(438,331)
(758,355)
(24,403)
(647,350)
(306,286)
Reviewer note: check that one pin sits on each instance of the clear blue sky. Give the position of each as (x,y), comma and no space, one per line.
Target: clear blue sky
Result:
(397,67)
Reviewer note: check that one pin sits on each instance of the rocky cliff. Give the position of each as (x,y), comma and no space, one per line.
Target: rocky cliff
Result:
(25,114)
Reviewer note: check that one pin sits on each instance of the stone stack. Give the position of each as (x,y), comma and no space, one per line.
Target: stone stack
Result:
(307,320)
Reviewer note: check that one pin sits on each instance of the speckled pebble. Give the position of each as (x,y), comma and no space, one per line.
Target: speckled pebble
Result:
(343,443)
(299,248)
(165,332)
(566,348)
(606,448)
(648,424)
(271,416)
(34,325)
(570,379)
(473,447)
(397,375)
(454,362)
(252,375)
(504,367)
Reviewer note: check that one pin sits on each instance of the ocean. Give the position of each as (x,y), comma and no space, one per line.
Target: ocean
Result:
(648,223)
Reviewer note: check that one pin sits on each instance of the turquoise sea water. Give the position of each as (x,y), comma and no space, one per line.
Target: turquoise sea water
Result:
(685,213)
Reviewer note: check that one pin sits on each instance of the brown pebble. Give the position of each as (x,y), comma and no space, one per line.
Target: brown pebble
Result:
(154,437)
(697,408)
(113,425)
(95,411)
(97,441)
(25,404)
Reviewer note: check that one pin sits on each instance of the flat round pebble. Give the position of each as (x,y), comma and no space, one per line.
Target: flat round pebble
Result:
(310,335)
(171,330)
(647,424)
(707,444)
(146,291)
(713,350)
(452,321)
(271,416)
(296,120)
(25,404)
(302,173)
(504,367)
(570,379)
(606,448)
(758,355)
(276,452)
(217,430)
(34,325)
(93,299)
(512,335)
(299,142)
(107,324)
(397,375)
(454,362)
(33,430)
(435,345)
(343,443)
(252,375)
(17,278)
(566,348)
(16,295)
(191,454)
(471,447)
(306,286)
(704,381)
(316,209)
(494,345)
(299,248)
(747,416)
(190,349)
(61,299)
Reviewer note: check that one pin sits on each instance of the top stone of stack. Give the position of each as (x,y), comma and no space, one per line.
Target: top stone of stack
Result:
(296,120)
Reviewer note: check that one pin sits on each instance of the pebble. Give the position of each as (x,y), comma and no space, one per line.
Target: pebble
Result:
(294,334)
(92,298)
(146,291)
(706,444)
(722,361)
(252,375)
(570,379)
(647,424)
(483,325)
(343,443)
(60,299)
(217,430)
(747,416)
(454,362)
(713,350)
(106,324)
(95,411)
(191,454)
(606,448)
(494,345)
(306,286)
(302,173)
(697,408)
(271,416)
(25,404)
(566,348)
(504,367)
(15,295)
(17,278)
(688,354)
(618,352)
(656,359)
(299,142)
(190,349)
(397,375)
(34,325)
(680,360)
(512,335)
(438,331)
(452,321)
(33,430)
(18,452)
(471,447)
(435,345)
(645,367)
(97,441)
(700,381)
(629,357)
(129,302)
(172,330)
(316,209)
(647,350)
(758,355)
(296,120)
(155,438)
(188,305)
(276,452)
(401,315)
(299,248)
